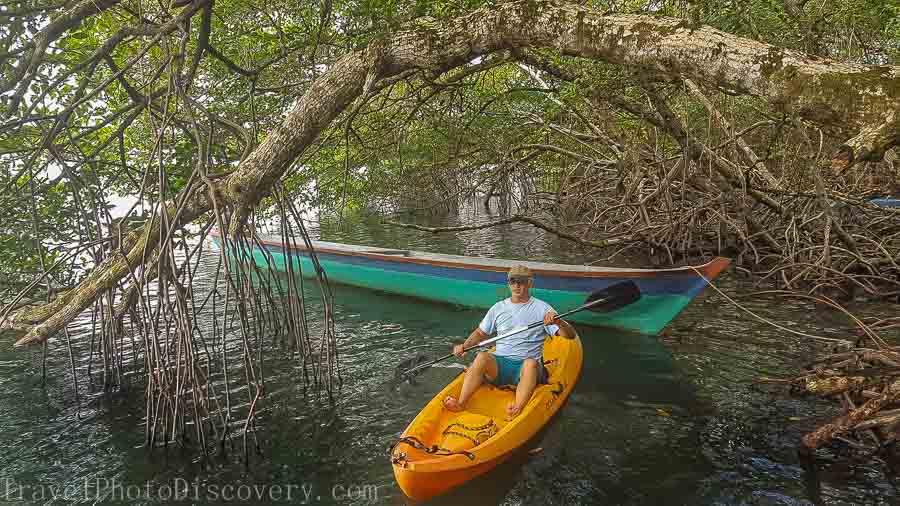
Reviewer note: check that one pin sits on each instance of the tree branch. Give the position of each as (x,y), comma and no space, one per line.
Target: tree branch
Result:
(514,219)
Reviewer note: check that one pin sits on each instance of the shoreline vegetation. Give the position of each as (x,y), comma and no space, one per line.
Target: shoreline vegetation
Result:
(672,130)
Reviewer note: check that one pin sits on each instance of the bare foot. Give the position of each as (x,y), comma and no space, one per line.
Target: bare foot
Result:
(512,410)
(452,404)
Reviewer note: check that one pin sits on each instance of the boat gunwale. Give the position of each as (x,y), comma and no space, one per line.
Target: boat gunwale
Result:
(710,269)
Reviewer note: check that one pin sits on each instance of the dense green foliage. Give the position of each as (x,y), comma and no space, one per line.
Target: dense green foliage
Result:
(88,130)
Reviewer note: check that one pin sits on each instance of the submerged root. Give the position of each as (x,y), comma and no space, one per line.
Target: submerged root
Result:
(866,382)
(195,331)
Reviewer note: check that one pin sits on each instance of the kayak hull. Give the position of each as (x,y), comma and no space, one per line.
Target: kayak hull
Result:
(421,486)
(422,476)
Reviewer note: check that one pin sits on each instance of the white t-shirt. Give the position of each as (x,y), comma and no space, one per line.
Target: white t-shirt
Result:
(506,315)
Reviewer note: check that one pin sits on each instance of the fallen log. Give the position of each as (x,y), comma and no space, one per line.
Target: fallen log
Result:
(848,421)
(883,419)
(836,384)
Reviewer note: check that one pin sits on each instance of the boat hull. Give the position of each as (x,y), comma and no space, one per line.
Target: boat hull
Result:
(886,202)
(480,283)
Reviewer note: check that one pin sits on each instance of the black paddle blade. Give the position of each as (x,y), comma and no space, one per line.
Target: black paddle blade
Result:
(401,373)
(614,297)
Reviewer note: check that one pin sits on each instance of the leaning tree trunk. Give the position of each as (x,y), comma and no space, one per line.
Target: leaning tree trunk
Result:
(858,101)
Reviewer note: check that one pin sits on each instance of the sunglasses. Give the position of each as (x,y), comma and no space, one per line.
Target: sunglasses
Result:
(517,280)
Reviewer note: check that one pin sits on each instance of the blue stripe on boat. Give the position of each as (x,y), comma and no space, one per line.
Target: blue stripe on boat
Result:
(886,202)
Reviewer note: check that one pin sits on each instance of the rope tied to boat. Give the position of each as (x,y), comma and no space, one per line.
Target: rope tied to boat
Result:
(416,443)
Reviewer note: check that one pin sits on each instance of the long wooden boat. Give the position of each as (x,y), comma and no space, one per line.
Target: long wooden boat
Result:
(481,282)
(886,202)
(426,460)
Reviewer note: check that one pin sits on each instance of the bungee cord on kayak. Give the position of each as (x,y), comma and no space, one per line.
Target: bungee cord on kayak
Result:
(400,458)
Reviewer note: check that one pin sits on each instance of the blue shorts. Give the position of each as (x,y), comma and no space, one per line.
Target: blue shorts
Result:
(509,371)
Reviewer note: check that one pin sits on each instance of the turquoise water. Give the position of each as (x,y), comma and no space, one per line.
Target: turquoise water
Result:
(669,420)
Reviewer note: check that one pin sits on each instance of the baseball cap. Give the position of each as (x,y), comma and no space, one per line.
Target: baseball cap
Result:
(518,271)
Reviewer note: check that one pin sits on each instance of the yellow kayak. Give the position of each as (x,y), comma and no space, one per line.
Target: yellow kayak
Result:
(442,449)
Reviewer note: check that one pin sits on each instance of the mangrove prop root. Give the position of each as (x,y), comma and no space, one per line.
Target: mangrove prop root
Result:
(866,381)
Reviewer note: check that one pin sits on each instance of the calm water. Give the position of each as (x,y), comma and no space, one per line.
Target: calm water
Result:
(670,420)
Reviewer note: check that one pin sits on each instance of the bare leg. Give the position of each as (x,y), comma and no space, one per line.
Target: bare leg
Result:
(528,378)
(483,365)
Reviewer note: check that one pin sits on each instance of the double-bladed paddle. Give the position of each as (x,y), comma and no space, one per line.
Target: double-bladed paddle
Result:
(608,299)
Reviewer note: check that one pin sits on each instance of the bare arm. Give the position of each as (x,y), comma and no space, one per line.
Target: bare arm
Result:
(566,329)
(474,338)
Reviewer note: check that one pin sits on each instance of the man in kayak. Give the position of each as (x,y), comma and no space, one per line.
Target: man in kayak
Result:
(518,358)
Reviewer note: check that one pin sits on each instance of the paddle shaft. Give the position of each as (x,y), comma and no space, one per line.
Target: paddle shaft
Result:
(510,333)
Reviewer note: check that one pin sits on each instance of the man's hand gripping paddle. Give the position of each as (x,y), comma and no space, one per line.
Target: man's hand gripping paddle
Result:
(606,300)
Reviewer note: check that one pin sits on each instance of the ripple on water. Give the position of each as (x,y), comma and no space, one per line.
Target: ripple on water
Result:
(648,423)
